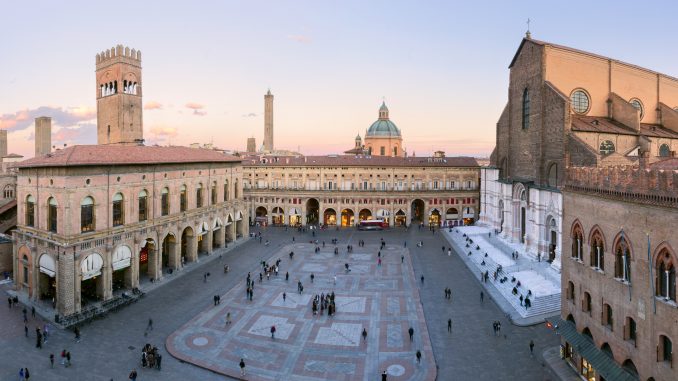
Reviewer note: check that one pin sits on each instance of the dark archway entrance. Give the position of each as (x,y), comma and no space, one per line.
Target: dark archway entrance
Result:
(364,215)
(330,217)
(417,212)
(312,211)
(187,245)
(347,218)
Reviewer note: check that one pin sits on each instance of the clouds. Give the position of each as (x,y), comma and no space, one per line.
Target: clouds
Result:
(168,132)
(66,117)
(300,38)
(197,108)
(153,105)
(84,133)
(249,115)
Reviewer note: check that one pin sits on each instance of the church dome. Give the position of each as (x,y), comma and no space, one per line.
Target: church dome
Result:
(383,126)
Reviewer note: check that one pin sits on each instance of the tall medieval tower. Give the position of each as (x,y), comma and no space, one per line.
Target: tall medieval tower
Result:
(119,112)
(268,122)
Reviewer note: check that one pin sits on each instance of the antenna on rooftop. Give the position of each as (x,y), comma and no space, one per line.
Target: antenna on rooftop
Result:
(528,34)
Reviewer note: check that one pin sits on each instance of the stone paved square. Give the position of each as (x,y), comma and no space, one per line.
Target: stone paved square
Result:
(355,304)
(345,334)
(263,325)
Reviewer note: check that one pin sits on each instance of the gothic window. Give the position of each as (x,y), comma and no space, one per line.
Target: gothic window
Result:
(606,147)
(52,215)
(586,302)
(553,175)
(607,316)
(183,198)
(526,109)
(87,223)
(635,102)
(118,210)
(580,101)
(8,192)
(226,190)
(164,201)
(630,330)
(665,350)
(622,264)
(666,276)
(664,150)
(577,243)
(235,189)
(30,210)
(570,291)
(214,193)
(597,251)
(143,206)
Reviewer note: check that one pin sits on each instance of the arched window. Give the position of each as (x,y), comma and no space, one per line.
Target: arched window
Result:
(143,206)
(586,303)
(52,214)
(118,210)
(606,147)
(597,251)
(622,257)
(577,243)
(630,331)
(198,195)
(607,316)
(553,175)
(30,211)
(570,291)
(580,101)
(183,198)
(638,105)
(226,190)
(664,150)
(666,276)
(87,215)
(395,151)
(164,201)
(665,349)
(214,193)
(8,192)
(526,109)
(236,192)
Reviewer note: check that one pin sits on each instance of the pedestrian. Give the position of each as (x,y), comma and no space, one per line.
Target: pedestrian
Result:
(411,332)
(449,252)
(402,259)
(21,374)
(158,360)
(273,332)
(335,280)
(68,359)
(32,313)
(51,360)
(482,296)
(364,334)
(312,277)
(284,296)
(133,375)
(204,277)
(418,357)
(27,374)
(422,278)
(449,325)
(287,276)
(379,262)
(26,330)
(63,357)
(25,315)
(531,347)
(242,367)
(384,376)
(228,318)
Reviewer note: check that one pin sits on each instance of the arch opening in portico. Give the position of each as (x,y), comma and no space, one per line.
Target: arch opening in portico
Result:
(239,225)
(203,231)
(91,279)
(294,216)
(230,228)
(217,234)
(47,278)
(148,260)
(452,216)
(364,215)
(347,218)
(312,211)
(330,217)
(434,217)
(121,264)
(169,252)
(417,212)
(261,216)
(385,216)
(278,216)
(400,218)
(187,245)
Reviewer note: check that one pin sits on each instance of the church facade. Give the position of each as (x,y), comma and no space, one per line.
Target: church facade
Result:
(568,107)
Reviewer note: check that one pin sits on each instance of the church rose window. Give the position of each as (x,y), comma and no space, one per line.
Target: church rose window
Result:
(637,105)
(580,101)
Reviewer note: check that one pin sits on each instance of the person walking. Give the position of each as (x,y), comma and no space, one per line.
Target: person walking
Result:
(402,259)
(26,330)
(284,297)
(27,375)
(287,275)
(32,314)
(364,334)
(77,334)
(449,325)
(384,376)
(63,357)
(312,277)
(22,374)
(133,375)
(68,359)
(482,296)
(531,347)
(411,332)
(418,357)
(228,318)
(422,278)
(242,367)
(273,332)
(449,252)
(51,360)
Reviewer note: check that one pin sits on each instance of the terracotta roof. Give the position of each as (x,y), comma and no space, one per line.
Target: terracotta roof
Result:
(668,164)
(563,47)
(609,126)
(361,161)
(93,155)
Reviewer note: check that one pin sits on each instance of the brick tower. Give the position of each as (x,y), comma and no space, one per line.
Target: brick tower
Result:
(118,89)
(268,122)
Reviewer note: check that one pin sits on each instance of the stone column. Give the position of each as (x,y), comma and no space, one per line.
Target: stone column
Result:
(67,276)
(134,266)
(107,277)
(208,237)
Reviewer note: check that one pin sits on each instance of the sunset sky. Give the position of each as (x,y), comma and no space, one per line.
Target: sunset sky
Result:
(440,66)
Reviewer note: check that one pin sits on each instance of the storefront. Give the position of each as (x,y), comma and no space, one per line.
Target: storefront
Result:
(91,287)
(384,215)
(295,217)
(330,217)
(47,281)
(278,216)
(452,217)
(121,263)
(434,217)
(400,218)
(469,215)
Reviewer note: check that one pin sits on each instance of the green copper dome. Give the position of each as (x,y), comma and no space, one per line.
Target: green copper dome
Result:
(383,126)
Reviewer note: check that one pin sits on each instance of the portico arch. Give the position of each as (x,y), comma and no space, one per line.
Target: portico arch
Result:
(400,218)
(148,260)
(91,279)
(417,213)
(217,234)
(203,231)
(330,217)
(47,277)
(169,252)
(364,214)
(312,211)
(230,228)
(434,217)
(188,247)
(121,264)
(239,225)
(347,218)
(278,216)
(261,215)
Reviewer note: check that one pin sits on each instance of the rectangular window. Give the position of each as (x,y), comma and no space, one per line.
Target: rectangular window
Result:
(118,213)
(164,201)
(30,214)
(87,218)
(183,201)
(198,198)
(143,215)
(214,194)
(52,218)
(226,192)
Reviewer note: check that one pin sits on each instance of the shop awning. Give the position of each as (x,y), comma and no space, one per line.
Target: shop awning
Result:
(47,265)
(294,212)
(122,258)
(601,362)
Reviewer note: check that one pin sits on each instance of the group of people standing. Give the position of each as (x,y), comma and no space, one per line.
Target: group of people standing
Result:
(324,302)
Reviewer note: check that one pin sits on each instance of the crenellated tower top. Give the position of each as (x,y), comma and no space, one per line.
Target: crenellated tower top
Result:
(117,54)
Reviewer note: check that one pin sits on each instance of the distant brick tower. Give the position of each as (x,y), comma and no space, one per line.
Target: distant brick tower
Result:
(268,122)
(43,135)
(118,89)
(251,145)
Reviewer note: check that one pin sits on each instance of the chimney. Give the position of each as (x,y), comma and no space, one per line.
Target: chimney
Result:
(43,135)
